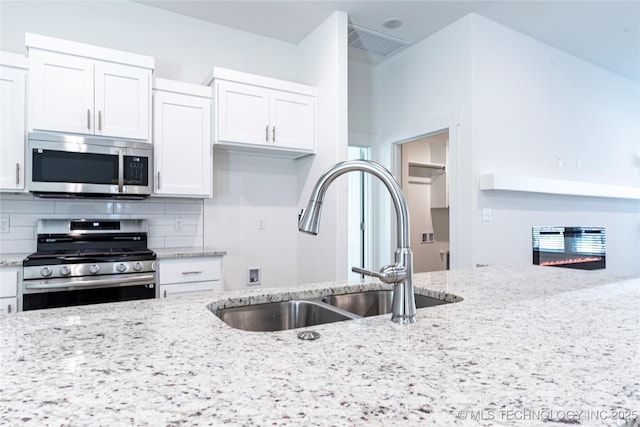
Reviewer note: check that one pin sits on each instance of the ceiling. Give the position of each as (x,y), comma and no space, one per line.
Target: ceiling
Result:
(605,33)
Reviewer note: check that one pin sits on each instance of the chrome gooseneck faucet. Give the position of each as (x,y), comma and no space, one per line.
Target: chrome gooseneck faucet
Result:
(401,272)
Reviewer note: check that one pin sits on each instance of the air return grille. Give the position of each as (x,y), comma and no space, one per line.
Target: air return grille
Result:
(373,42)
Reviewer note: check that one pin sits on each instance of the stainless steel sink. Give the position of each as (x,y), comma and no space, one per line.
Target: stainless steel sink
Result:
(280,316)
(374,303)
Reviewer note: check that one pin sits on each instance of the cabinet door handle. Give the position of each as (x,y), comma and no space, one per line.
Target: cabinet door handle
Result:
(88,119)
(165,293)
(100,120)
(191,272)
(17,173)
(266,133)
(158,180)
(9,309)
(274,134)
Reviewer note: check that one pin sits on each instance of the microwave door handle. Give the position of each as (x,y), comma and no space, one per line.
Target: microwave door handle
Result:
(120,170)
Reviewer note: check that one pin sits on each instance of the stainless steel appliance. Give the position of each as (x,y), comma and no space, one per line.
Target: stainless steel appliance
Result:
(76,166)
(88,261)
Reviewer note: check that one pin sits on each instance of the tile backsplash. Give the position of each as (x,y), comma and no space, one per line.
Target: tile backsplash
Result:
(172,222)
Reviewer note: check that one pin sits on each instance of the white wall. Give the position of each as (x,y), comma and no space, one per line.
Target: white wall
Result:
(424,89)
(531,105)
(521,105)
(323,63)
(184,48)
(246,188)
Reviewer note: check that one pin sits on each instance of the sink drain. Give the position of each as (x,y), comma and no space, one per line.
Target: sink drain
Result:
(308,335)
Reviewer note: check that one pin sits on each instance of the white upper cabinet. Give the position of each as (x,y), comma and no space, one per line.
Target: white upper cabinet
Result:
(13,84)
(263,115)
(122,100)
(243,113)
(85,89)
(182,139)
(292,120)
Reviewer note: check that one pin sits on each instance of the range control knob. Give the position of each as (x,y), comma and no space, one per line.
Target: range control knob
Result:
(46,271)
(122,267)
(137,266)
(65,271)
(94,269)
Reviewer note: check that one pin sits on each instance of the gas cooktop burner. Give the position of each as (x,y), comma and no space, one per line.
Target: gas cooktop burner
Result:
(87,256)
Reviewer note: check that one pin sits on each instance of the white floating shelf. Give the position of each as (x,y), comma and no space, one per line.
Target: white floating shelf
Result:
(531,184)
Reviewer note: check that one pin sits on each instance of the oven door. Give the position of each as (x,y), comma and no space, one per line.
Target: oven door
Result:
(75,167)
(51,293)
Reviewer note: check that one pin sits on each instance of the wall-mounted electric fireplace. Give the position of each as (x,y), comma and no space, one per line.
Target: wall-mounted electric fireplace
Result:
(572,247)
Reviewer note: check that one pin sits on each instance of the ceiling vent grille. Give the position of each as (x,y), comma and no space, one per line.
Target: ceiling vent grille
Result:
(372,41)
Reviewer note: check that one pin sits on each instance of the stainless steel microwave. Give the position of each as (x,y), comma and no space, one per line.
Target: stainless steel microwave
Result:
(61,165)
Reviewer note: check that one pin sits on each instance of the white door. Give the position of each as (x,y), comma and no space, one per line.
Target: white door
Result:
(292,120)
(12,127)
(182,144)
(122,101)
(60,92)
(242,113)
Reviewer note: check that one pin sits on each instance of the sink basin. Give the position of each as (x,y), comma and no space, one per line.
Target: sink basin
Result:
(374,303)
(280,316)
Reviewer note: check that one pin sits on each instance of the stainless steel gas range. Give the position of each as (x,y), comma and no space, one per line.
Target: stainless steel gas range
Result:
(88,261)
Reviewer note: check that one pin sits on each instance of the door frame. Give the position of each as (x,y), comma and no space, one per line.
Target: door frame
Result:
(393,139)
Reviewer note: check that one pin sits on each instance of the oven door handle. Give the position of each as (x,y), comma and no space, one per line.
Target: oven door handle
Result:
(139,279)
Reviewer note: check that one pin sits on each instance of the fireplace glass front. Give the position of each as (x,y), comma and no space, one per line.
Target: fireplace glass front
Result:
(573,247)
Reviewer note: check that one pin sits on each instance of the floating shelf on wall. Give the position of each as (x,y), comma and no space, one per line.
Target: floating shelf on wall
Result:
(531,184)
(425,170)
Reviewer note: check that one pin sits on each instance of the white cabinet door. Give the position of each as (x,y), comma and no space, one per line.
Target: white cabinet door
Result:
(60,92)
(185,289)
(9,279)
(190,276)
(79,95)
(243,113)
(12,127)
(122,100)
(292,120)
(8,283)
(182,144)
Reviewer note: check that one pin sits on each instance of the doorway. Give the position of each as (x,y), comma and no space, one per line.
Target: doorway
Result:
(425,183)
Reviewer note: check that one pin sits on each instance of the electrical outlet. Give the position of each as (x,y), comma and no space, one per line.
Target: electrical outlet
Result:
(486,214)
(177,225)
(261,223)
(4,225)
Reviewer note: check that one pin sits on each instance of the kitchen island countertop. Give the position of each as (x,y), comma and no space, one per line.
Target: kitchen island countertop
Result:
(539,344)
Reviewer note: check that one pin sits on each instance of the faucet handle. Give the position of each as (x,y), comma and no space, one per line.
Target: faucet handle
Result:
(388,274)
(366,272)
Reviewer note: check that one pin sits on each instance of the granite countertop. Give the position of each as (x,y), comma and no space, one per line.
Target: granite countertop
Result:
(15,260)
(187,252)
(12,260)
(525,343)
